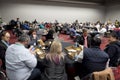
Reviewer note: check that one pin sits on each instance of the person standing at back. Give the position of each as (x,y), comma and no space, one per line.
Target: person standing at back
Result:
(84,39)
(4,43)
(20,61)
(113,49)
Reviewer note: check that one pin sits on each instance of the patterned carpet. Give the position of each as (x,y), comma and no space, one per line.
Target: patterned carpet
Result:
(66,38)
(63,38)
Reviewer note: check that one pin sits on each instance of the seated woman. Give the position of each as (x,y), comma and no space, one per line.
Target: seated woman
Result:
(54,63)
(33,37)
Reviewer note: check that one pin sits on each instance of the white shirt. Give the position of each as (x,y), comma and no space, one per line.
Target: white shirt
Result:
(19,62)
(103,30)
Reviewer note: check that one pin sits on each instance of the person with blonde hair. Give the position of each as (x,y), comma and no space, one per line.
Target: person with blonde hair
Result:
(55,52)
(54,63)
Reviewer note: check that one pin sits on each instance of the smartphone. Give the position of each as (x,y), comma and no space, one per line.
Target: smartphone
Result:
(33,48)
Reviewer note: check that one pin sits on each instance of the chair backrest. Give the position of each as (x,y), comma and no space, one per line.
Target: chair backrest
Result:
(3,76)
(106,74)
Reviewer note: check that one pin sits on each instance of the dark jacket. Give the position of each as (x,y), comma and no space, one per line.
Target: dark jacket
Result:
(81,39)
(3,48)
(94,60)
(50,35)
(112,50)
(54,71)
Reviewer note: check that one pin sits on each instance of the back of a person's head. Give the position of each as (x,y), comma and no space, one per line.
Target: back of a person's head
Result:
(113,34)
(96,41)
(51,31)
(23,38)
(56,47)
(55,54)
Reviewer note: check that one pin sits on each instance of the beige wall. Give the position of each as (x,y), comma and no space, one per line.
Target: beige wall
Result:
(113,12)
(47,12)
(0,9)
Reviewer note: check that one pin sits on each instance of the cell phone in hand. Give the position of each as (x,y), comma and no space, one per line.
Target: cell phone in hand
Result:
(33,48)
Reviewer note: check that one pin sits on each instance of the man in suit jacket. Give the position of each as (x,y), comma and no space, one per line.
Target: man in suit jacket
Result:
(84,39)
(4,43)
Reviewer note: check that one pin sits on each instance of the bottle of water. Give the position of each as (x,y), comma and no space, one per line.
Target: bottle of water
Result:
(34,44)
(75,45)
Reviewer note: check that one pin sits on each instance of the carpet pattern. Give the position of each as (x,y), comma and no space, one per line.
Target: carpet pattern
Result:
(65,38)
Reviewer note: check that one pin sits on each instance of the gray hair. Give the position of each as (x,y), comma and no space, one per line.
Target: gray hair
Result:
(23,38)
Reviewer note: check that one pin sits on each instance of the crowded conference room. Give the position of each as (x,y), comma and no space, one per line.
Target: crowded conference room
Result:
(59,40)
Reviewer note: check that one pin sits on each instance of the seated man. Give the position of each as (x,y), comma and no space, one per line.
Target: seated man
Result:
(21,62)
(94,59)
(4,43)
